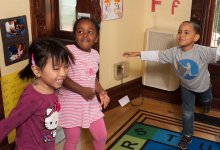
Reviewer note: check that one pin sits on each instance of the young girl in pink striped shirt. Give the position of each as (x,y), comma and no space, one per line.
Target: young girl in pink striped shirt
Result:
(80,106)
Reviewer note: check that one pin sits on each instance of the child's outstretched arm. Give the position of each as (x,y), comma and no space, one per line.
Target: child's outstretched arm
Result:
(131,54)
(102,94)
(86,92)
(144,55)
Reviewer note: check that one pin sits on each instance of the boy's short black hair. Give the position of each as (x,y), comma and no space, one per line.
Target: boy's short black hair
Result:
(195,25)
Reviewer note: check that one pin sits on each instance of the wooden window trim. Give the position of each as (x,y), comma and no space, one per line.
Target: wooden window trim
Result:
(203,13)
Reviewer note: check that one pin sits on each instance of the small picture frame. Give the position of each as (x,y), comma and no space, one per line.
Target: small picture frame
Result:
(15,52)
(13,27)
(15,39)
(112,9)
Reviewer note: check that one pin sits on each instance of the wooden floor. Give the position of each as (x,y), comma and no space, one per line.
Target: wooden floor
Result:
(116,118)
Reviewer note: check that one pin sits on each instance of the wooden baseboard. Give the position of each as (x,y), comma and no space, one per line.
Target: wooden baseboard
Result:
(131,88)
(135,89)
(162,95)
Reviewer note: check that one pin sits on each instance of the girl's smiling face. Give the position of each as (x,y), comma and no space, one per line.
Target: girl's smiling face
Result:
(50,77)
(85,35)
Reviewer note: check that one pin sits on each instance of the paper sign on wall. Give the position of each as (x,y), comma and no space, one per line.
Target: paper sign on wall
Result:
(112,9)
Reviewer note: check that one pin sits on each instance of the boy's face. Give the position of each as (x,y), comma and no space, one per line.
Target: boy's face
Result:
(85,35)
(186,36)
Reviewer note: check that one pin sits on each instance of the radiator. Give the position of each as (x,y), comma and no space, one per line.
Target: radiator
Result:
(157,75)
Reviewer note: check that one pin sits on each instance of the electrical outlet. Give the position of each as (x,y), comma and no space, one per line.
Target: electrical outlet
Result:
(121,70)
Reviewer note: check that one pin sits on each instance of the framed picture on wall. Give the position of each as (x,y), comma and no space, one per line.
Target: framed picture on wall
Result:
(15,52)
(13,27)
(112,9)
(15,39)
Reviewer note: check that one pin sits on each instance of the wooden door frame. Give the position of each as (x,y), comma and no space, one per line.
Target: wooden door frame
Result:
(202,12)
(45,17)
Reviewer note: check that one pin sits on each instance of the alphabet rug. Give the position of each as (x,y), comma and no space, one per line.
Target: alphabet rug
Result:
(150,131)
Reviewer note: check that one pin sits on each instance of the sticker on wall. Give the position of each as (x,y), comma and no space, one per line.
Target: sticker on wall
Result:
(174,5)
(154,3)
(112,9)
(15,39)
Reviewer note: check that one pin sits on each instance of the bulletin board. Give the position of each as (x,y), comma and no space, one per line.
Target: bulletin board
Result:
(12,86)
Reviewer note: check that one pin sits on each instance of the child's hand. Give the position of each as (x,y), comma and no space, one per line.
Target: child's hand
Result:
(131,54)
(88,93)
(104,99)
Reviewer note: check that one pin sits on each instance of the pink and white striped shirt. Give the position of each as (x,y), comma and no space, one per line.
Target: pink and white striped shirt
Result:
(75,110)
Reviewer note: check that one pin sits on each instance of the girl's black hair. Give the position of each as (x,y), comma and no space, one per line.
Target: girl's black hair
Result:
(42,49)
(89,19)
(196,26)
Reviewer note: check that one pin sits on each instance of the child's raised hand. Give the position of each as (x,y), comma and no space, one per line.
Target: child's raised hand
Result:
(131,54)
(104,99)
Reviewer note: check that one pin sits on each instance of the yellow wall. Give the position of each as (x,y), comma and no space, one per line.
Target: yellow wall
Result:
(11,85)
(162,17)
(118,36)
(8,9)
(127,34)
